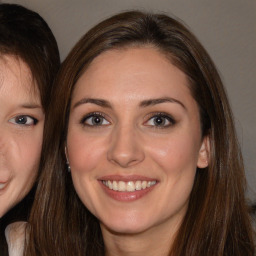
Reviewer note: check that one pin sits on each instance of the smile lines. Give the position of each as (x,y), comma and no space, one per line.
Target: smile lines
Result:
(129,186)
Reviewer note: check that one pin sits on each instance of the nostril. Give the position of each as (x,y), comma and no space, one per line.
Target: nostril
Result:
(126,159)
(125,162)
(124,148)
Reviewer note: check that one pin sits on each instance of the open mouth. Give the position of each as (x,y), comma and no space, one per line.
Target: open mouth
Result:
(128,186)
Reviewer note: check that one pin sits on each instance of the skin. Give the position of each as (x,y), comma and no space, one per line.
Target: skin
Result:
(128,143)
(21,131)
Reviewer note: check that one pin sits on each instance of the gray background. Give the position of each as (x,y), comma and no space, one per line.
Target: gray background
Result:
(227,29)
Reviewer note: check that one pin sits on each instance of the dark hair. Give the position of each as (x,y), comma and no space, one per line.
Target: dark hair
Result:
(217,220)
(26,36)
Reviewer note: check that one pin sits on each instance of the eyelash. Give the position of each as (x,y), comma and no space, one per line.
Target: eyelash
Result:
(104,122)
(91,115)
(24,119)
(166,117)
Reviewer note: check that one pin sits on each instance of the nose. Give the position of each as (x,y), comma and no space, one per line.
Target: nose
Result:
(125,148)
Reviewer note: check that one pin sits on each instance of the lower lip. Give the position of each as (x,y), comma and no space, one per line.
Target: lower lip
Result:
(126,196)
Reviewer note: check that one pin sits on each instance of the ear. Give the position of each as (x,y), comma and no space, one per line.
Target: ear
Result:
(204,153)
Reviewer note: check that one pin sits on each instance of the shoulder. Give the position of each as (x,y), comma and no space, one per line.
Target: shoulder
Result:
(15,237)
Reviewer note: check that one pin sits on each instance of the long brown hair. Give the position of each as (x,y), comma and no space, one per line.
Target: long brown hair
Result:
(217,220)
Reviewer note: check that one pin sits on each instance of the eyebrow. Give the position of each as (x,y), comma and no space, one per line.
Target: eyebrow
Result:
(30,106)
(99,102)
(144,103)
(152,102)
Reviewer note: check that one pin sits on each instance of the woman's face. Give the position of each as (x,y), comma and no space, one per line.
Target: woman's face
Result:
(134,141)
(21,131)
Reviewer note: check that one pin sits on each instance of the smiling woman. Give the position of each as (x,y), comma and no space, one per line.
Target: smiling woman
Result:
(141,155)
(29,60)
(147,133)
(22,119)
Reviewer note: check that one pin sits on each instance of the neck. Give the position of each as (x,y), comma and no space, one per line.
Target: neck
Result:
(155,241)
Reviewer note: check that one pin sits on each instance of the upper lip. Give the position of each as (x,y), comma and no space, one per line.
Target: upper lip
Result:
(5,180)
(126,178)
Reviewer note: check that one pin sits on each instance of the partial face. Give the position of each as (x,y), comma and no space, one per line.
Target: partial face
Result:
(134,141)
(21,131)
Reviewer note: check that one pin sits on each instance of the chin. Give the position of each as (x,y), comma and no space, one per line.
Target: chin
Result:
(126,226)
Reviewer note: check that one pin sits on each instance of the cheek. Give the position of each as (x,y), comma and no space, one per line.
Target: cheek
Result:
(84,152)
(24,151)
(27,157)
(85,156)
(21,160)
(175,160)
(175,153)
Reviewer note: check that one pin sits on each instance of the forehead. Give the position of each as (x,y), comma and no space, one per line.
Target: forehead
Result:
(144,70)
(16,76)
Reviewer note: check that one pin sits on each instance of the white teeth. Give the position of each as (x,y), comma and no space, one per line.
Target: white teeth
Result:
(110,184)
(144,184)
(2,185)
(129,186)
(138,185)
(121,186)
(151,183)
(115,186)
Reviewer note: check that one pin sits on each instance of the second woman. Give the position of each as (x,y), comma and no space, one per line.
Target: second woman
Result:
(141,155)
